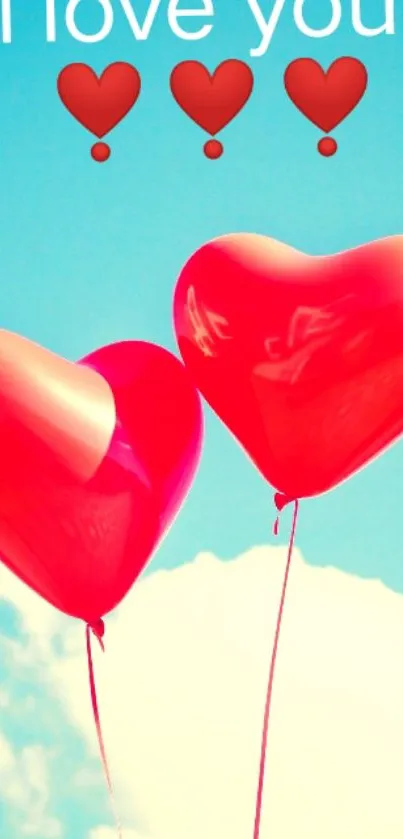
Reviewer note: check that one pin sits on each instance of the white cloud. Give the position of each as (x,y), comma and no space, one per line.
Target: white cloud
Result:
(181,690)
(39,617)
(24,788)
(4,699)
(33,767)
(110,833)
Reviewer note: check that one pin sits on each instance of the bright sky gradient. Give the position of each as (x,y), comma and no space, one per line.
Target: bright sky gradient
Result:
(90,254)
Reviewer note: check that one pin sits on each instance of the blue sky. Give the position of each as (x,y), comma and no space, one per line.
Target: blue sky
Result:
(90,253)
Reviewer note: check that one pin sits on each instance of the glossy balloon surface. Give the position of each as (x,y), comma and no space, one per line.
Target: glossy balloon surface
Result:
(300,356)
(95,461)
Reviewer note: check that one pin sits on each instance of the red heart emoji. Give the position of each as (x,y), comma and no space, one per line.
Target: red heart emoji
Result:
(99,104)
(212,101)
(96,459)
(300,356)
(326,98)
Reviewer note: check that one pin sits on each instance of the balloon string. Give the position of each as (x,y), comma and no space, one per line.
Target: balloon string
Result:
(266,718)
(98,632)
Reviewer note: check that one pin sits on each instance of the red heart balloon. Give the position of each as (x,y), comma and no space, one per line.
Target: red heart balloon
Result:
(300,356)
(99,104)
(212,100)
(326,98)
(95,461)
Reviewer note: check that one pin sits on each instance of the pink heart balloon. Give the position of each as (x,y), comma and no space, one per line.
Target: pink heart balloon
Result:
(96,459)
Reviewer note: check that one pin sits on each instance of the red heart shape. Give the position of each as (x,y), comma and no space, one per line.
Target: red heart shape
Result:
(326,98)
(99,104)
(212,100)
(96,459)
(300,356)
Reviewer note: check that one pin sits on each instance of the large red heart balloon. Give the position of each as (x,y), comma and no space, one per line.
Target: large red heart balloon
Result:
(95,461)
(300,356)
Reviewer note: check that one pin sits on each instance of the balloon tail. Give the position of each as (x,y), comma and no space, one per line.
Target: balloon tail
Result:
(280,502)
(98,631)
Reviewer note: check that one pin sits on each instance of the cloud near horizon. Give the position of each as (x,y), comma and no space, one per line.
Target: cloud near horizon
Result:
(181,691)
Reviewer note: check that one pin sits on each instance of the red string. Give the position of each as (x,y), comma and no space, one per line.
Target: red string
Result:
(98,630)
(280,502)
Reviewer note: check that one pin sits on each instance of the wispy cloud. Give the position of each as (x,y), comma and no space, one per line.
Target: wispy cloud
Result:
(24,785)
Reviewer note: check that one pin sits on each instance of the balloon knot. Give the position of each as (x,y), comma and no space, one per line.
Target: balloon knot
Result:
(98,628)
(281,500)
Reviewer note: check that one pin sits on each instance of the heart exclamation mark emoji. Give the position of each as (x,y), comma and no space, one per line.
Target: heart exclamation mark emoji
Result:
(326,98)
(99,104)
(212,100)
